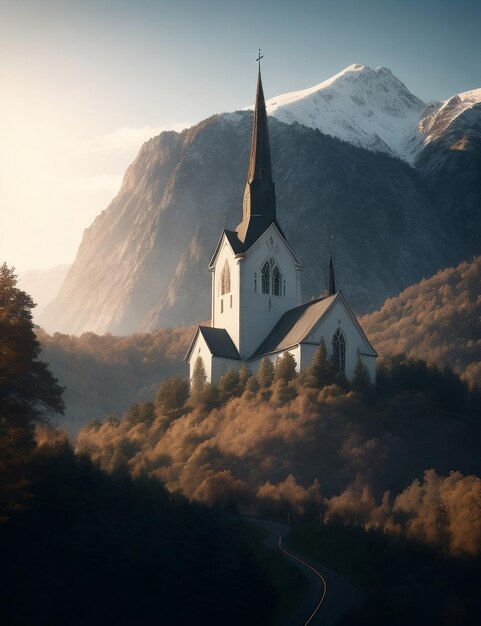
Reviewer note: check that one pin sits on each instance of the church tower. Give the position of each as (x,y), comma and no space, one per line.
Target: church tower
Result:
(257,311)
(255,273)
(259,205)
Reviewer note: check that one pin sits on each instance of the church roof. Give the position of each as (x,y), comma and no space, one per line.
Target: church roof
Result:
(240,247)
(296,325)
(260,154)
(218,341)
(259,203)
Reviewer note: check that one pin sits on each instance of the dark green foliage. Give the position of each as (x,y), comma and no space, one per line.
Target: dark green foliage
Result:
(199,376)
(286,367)
(105,549)
(265,373)
(320,372)
(172,395)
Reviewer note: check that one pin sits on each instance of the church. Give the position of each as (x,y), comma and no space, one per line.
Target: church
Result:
(256,300)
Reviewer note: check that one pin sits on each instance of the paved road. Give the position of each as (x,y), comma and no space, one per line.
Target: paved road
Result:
(338,594)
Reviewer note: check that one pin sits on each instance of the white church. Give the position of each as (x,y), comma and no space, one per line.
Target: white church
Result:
(257,308)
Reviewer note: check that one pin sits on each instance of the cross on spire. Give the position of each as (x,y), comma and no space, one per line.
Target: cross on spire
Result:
(260,56)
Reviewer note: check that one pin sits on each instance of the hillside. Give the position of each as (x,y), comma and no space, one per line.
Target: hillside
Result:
(438,319)
(268,444)
(104,375)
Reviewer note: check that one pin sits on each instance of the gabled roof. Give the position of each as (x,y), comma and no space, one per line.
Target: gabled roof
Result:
(297,324)
(238,247)
(218,341)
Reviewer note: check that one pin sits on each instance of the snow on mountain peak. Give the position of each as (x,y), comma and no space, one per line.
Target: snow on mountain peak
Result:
(439,116)
(367,107)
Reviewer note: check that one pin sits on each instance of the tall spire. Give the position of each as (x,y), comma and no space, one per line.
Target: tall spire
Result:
(331,282)
(260,155)
(259,206)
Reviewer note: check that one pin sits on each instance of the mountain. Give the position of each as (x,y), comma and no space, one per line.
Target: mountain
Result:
(437,320)
(340,153)
(450,163)
(368,108)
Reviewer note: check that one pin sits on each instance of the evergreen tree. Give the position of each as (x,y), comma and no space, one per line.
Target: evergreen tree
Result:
(244,375)
(265,373)
(361,381)
(28,392)
(172,395)
(228,385)
(320,372)
(286,367)
(199,377)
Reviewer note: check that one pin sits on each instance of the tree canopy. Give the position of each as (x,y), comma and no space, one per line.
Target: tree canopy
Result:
(28,391)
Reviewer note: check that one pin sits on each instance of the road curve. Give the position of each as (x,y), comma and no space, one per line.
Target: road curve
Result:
(323,580)
(319,607)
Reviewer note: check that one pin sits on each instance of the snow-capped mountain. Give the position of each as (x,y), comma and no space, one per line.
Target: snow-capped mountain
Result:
(440,117)
(368,108)
(372,109)
(141,264)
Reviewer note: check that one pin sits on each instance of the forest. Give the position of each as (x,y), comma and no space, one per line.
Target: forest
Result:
(436,320)
(82,546)
(381,482)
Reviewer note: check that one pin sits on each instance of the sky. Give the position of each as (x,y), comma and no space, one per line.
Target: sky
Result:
(84,83)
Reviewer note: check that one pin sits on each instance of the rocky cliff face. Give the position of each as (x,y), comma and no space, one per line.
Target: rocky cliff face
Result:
(143,262)
(450,163)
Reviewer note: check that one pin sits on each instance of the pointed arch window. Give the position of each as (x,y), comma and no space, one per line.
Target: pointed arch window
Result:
(276,282)
(266,278)
(225,279)
(339,352)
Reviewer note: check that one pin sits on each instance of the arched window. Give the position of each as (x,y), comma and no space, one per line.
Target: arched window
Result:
(276,282)
(339,352)
(266,278)
(225,279)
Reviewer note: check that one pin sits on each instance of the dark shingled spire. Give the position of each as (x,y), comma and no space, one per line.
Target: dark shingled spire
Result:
(331,282)
(259,208)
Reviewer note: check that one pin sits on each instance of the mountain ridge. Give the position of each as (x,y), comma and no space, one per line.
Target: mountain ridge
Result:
(142,263)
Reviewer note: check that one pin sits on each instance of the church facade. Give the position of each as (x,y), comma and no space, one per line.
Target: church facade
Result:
(256,307)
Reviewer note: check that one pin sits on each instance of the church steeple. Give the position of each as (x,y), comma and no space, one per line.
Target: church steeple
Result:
(331,282)
(259,206)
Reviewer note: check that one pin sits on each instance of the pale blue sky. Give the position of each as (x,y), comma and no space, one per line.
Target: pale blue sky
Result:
(83,83)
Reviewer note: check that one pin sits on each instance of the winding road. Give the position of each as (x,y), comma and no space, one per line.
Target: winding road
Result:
(329,596)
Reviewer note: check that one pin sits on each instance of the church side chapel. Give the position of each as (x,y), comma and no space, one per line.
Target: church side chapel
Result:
(257,308)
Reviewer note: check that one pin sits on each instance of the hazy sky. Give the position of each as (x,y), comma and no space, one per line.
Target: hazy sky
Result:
(84,83)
